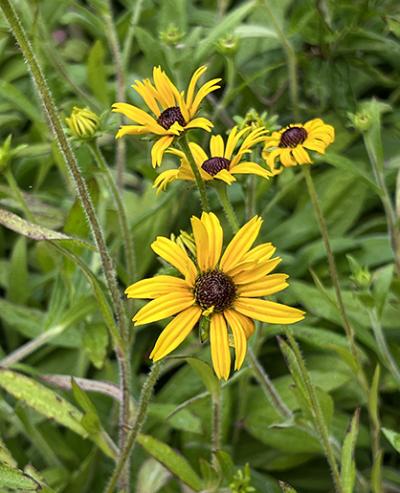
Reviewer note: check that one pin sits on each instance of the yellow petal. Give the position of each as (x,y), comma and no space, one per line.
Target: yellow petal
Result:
(268,285)
(260,252)
(192,85)
(201,240)
(132,130)
(198,153)
(164,179)
(202,93)
(246,323)
(217,146)
(163,307)
(200,122)
(255,272)
(157,286)
(147,96)
(165,95)
(139,116)
(239,337)
(225,176)
(268,311)
(232,141)
(301,155)
(158,149)
(215,236)
(220,354)
(176,256)
(241,243)
(250,169)
(286,157)
(175,332)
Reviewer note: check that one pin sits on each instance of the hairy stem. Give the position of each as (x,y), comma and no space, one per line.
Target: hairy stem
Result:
(141,414)
(184,143)
(227,206)
(216,402)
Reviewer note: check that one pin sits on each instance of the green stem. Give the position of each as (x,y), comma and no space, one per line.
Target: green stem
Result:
(122,216)
(317,415)
(141,414)
(136,10)
(291,59)
(216,402)
(184,143)
(55,126)
(227,206)
(18,194)
(251,196)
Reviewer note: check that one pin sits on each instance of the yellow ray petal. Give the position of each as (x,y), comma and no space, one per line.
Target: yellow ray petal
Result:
(164,93)
(192,85)
(268,285)
(201,240)
(157,286)
(164,179)
(217,146)
(246,323)
(268,311)
(176,256)
(198,153)
(239,337)
(208,87)
(220,354)
(256,272)
(132,130)
(301,155)
(158,149)
(163,307)
(147,96)
(233,139)
(286,157)
(260,252)
(315,145)
(200,122)
(225,176)
(175,332)
(215,238)
(138,116)
(240,244)
(249,168)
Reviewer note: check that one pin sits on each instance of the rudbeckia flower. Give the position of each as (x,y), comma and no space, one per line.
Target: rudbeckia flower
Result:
(227,288)
(173,111)
(222,163)
(290,144)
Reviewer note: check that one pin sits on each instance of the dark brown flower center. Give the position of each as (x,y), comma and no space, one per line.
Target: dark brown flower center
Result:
(169,116)
(215,164)
(293,136)
(215,289)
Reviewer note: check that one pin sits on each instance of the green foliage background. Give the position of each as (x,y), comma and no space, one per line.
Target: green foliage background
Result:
(346,53)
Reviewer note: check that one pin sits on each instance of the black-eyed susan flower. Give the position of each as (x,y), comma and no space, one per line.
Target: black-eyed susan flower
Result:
(290,144)
(222,163)
(227,289)
(174,112)
(83,123)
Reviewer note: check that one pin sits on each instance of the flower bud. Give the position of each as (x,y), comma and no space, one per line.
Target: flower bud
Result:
(83,123)
(257,120)
(172,35)
(359,275)
(228,45)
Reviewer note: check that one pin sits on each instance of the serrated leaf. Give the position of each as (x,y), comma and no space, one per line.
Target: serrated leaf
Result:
(17,480)
(174,462)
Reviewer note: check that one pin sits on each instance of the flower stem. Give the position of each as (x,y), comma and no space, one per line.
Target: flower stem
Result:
(216,423)
(227,206)
(54,122)
(122,216)
(141,414)
(199,181)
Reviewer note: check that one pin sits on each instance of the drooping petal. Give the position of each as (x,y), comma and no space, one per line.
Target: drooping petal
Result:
(240,244)
(139,116)
(132,130)
(266,286)
(220,354)
(249,168)
(225,176)
(164,179)
(268,311)
(175,332)
(215,237)
(176,256)
(239,337)
(301,155)
(158,149)
(163,307)
(200,122)
(246,323)
(157,286)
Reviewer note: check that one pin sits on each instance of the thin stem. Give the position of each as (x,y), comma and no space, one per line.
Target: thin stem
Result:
(317,414)
(291,59)
(55,126)
(122,216)
(216,407)
(184,143)
(137,8)
(227,206)
(251,196)
(120,79)
(267,386)
(145,396)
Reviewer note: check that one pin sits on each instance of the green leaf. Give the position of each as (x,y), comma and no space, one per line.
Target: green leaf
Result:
(348,466)
(5,456)
(181,420)
(373,397)
(34,231)
(151,47)
(18,288)
(152,477)
(17,480)
(95,342)
(393,438)
(174,462)
(286,488)
(206,374)
(19,100)
(96,70)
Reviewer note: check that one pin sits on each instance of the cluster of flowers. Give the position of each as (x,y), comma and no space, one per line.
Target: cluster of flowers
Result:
(224,289)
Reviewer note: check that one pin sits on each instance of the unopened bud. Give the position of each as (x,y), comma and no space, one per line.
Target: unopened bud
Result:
(83,123)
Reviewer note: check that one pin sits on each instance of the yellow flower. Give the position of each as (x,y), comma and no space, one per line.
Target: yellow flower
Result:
(174,112)
(222,163)
(82,122)
(227,289)
(289,144)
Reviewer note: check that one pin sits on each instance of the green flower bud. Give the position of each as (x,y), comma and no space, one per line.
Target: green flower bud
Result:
(359,275)
(255,120)
(172,35)
(228,45)
(361,121)
(83,123)
(241,481)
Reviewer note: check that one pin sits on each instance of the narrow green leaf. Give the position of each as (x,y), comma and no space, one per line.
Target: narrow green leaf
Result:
(42,399)
(152,477)
(11,93)
(373,398)
(393,438)
(17,480)
(206,374)
(95,342)
(18,287)
(97,77)
(348,465)
(174,462)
